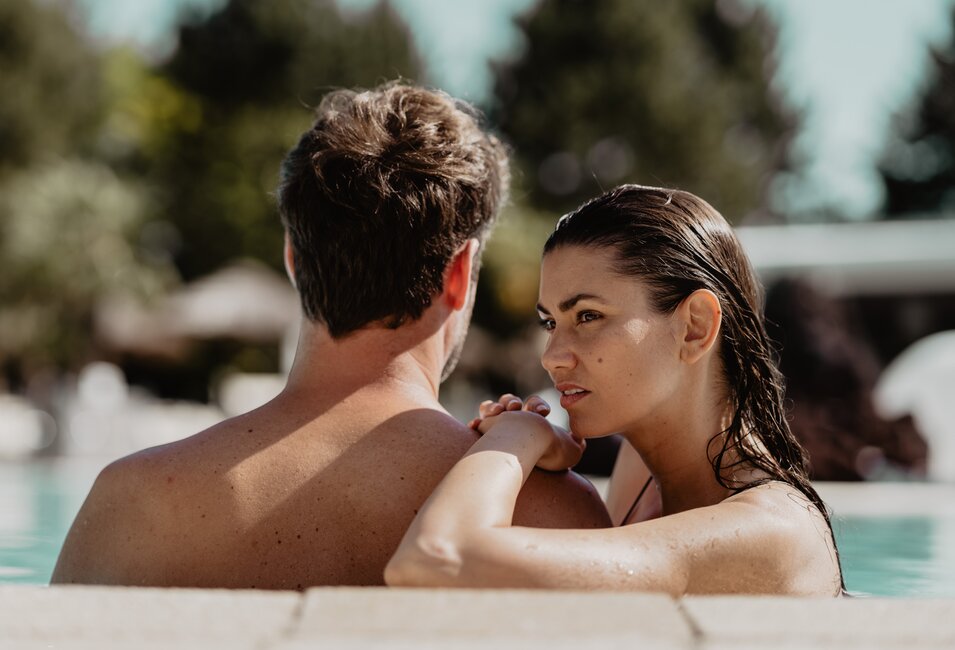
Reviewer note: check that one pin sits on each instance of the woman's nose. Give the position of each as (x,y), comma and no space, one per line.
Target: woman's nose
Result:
(557,355)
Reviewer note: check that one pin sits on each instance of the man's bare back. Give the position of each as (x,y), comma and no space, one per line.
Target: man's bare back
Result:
(286,497)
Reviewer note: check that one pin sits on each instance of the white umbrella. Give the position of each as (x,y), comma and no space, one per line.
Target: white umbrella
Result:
(921,382)
(246,301)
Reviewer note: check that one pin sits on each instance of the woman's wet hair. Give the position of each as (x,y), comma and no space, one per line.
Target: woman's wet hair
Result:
(677,243)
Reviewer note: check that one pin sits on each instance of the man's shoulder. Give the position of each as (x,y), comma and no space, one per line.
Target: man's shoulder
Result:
(131,510)
(137,473)
(560,500)
(163,463)
(432,436)
(137,489)
(114,512)
(547,500)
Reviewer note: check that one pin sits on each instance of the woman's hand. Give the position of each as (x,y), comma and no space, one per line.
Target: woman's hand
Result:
(561,449)
(508,402)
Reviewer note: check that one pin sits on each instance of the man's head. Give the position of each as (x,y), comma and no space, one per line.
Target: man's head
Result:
(378,196)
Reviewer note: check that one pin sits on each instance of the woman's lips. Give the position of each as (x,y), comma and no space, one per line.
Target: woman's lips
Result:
(569,399)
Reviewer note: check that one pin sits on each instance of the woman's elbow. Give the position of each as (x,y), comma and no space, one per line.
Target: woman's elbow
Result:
(426,561)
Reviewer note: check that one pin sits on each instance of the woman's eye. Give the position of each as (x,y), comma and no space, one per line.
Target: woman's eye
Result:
(546,324)
(587,316)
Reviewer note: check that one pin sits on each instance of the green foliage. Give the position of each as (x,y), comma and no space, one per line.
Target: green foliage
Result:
(918,167)
(507,292)
(49,84)
(112,168)
(657,93)
(614,91)
(146,109)
(65,241)
(241,79)
(69,217)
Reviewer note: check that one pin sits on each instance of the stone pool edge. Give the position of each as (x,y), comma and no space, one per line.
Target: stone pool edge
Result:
(80,617)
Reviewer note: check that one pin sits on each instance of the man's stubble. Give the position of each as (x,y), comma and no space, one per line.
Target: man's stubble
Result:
(464,320)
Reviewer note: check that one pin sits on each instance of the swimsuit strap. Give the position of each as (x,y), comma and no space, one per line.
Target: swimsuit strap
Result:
(639,496)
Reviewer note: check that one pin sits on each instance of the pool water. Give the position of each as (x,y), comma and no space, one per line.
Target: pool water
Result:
(38,501)
(904,556)
(897,556)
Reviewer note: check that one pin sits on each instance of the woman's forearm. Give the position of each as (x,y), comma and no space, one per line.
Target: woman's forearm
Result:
(478,494)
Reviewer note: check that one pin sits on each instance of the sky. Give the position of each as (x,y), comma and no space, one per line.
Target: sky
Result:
(849,65)
(852,64)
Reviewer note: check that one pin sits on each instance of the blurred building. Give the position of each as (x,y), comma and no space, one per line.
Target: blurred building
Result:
(241,318)
(844,301)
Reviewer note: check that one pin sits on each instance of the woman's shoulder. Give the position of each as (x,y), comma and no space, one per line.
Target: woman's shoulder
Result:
(777,498)
(798,532)
(784,508)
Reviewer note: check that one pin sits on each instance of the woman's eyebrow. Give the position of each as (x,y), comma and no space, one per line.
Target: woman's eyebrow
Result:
(570,302)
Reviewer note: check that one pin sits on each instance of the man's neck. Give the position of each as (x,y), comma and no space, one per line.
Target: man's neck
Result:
(407,361)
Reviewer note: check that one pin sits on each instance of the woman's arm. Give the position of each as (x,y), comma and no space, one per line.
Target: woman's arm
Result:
(732,547)
(764,540)
(478,494)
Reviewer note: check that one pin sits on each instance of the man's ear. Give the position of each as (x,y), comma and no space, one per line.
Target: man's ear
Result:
(289,256)
(457,275)
(700,316)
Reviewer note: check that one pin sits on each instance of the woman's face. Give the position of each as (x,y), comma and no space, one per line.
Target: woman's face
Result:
(614,359)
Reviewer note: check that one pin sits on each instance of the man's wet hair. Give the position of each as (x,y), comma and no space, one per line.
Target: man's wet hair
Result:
(379,194)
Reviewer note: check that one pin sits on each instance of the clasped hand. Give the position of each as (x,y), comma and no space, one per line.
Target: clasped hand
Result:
(563,449)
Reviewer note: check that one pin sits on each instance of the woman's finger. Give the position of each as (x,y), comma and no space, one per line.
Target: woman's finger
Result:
(489,408)
(510,402)
(536,404)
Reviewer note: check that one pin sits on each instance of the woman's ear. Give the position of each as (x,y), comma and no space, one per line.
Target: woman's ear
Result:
(457,275)
(289,257)
(700,315)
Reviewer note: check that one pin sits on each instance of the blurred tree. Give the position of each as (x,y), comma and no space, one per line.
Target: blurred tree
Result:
(240,78)
(918,166)
(50,98)
(65,241)
(674,94)
(69,224)
(52,202)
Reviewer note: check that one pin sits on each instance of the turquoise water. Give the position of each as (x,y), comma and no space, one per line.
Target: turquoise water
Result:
(38,501)
(881,556)
(897,556)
